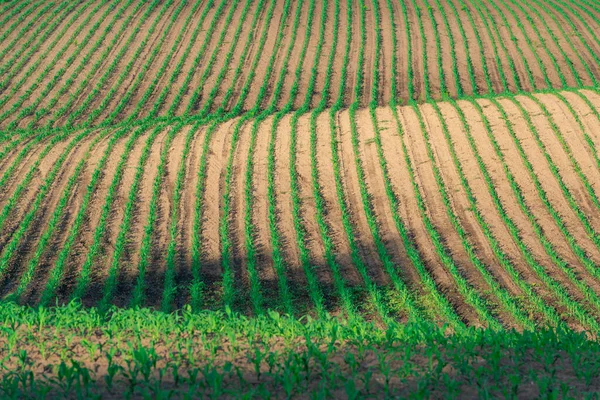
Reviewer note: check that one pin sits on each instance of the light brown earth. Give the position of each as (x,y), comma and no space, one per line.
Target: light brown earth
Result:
(568,217)
(396,170)
(527,47)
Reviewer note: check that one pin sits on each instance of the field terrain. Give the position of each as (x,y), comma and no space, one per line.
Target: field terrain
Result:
(416,173)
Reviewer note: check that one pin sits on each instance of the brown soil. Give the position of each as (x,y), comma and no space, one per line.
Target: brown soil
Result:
(309,61)
(72,209)
(43,215)
(489,40)
(460,203)
(513,45)
(541,168)
(460,49)
(408,208)
(507,198)
(401,52)
(211,80)
(446,48)
(130,260)
(588,118)
(260,210)
(186,39)
(572,57)
(542,47)
(86,71)
(416,60)
(430,51)
(32,9)
(591,18)
(333,215)
(575,144)
(276,25)
(187,210)
(424,175)
(525,47)
(294,59)
(30,191)
(247,38)
(196,47)
(348,86)
(284,204)
(350,183)
(85,237)
(369,57)
(531,196)
(560,158)
(176,30)
(397,170)
(166,207)
(211,47)
(153,41)
(215,183)
(37,65)
(375,182)
(19,38)
(113,227)
(61,63)
(537,46)
(502,186)
(237,225)
(112,84)
(22,167)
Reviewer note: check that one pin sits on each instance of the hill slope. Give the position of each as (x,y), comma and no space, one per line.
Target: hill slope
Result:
(485,210)
(390,176)
(101,61)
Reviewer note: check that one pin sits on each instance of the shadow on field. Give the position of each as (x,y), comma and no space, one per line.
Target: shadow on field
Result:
(212,291)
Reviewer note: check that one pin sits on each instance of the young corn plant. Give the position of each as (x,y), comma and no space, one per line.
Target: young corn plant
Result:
(491,28)
(533,24)
(146,254)
(11,16)
(566,37)
(6,69)
(84,84)
(443,88)
(153,86)
(514,231)
(11,203)
(48,66)
(197,284)
(589,229)
(32,109)
(159,103)
(276,240)
(514,39)
(389,265)
(52,225)
(110,284)
(57,271)
(426,94)
(250,229)
(463,36)
(170,289)
(86,105)
(125,99)
(173,109)
(208,104)
(195,97)
(84,278)
(556,287)
(9,248)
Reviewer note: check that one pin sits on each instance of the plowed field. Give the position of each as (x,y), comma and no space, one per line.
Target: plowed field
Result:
(383,161)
